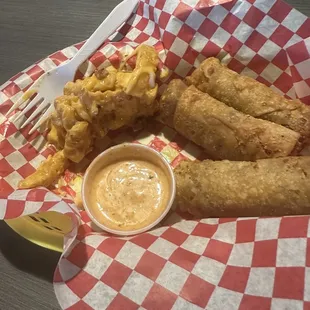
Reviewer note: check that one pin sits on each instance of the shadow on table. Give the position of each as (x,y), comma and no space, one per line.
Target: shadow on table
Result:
(27,256)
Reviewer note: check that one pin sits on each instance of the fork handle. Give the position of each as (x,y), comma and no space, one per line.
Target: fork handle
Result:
(114,20)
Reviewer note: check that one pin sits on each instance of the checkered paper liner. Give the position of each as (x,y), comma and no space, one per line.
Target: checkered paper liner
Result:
(244,263)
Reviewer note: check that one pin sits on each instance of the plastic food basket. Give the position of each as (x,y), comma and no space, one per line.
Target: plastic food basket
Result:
(46,229)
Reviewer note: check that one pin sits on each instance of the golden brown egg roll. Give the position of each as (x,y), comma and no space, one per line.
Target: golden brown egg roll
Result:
(168,101)
(226,133)
(267,187)
(250,96)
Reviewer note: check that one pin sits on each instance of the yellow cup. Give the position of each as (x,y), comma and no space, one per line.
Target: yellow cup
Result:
(46,229)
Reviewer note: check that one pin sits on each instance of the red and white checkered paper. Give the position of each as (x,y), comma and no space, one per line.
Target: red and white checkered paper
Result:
(244,263)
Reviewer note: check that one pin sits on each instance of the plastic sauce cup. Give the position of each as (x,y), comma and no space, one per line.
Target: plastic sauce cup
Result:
(122,152)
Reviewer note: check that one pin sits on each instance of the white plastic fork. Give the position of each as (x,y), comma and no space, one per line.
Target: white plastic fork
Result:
(51,84)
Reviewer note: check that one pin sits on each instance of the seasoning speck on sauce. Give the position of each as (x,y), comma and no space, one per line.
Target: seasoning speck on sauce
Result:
(129,194)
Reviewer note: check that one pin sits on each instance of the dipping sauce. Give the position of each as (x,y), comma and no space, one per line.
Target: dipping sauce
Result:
(128,194)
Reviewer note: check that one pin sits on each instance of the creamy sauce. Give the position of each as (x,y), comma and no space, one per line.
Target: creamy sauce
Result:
(128,195)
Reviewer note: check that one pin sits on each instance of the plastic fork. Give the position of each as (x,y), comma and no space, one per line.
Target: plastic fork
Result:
(51,84)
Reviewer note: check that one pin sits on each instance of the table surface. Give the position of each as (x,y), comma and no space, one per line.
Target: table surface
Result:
(30,30)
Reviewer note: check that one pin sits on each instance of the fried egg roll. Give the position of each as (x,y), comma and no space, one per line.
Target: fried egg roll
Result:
(168,101)
(226,133)
(250,97)
(267,187)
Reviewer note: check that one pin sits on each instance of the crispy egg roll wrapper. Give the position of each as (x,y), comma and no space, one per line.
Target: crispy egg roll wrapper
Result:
(267,187)
(251,97)
(169,100)
(226,133)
